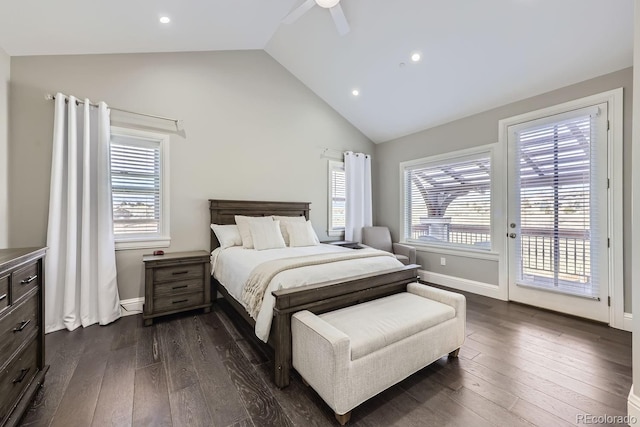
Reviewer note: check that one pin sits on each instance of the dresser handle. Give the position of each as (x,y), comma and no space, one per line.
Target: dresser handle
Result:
(176,273)
(3,296)
(23,373)
(23,325)
(179,301)
(29,279)
(180,287)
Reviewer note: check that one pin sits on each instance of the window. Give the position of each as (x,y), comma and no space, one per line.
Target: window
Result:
(337,198)
(139,171)
(447,200)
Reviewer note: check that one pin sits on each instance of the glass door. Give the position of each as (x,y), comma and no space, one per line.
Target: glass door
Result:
(558,203)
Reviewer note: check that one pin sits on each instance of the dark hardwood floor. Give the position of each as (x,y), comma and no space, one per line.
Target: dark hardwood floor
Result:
(518,367)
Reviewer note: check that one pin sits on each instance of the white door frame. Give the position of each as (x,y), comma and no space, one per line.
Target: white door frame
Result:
(614,99)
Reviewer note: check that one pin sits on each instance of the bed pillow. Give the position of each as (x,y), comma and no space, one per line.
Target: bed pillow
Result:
(228,235)
(245,232)
(302,234)
(284,220)
(266,235)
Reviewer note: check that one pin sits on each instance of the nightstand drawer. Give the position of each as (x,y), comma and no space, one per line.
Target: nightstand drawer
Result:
(16,377)
(23,280)
(17,325)
(4,292)
(180,272)
(178,288)
(178,302)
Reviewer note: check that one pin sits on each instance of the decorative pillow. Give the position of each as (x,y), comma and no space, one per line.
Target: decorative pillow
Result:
(228,235)
(302,234)
(266,235)
(284,220)
(245,232)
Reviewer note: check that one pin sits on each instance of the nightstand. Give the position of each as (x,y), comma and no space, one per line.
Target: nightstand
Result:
(175,282)
(344,244)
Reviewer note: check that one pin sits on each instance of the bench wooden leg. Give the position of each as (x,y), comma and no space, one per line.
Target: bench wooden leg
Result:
(455,352)
(343,419)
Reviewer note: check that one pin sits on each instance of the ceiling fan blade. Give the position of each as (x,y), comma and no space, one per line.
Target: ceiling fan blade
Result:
(339,19)
(298,12)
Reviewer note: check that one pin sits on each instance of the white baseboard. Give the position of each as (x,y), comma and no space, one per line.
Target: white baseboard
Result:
(132,306)
(633,407)
(460,284)
(628,322)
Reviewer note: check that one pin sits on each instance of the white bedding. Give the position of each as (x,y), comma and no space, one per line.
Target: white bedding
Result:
(232,267)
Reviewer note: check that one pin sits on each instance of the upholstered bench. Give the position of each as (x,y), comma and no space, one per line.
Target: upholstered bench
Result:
(352,354)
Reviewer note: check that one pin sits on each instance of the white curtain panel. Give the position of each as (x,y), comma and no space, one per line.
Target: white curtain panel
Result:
(80,267)
(358,210)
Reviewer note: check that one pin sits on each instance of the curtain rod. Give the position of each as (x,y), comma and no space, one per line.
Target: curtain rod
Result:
(177,122)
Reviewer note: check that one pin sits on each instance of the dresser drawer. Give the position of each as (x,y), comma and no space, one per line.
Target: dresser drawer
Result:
(4,292)
(178,288)
(178,302)
(23,280)
(180,272)
(17,325)
(16,377)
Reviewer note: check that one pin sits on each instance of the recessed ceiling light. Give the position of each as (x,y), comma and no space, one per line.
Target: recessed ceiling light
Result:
(416,57)
(165,19)
(355,92)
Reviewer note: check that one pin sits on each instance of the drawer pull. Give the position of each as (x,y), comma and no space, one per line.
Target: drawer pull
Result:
(179,301)
(177,273)
(23,373)
(29,279)
(3,296)
(23,325)
(180,287)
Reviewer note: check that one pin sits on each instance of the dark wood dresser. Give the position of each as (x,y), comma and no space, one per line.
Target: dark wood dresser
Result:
(175,282)
(22,367)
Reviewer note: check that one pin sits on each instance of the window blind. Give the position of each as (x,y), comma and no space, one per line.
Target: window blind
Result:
(558,235)
(449,203)
(136,186)
(337,188)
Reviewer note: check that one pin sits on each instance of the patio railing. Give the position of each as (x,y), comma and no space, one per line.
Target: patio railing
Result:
(537,248)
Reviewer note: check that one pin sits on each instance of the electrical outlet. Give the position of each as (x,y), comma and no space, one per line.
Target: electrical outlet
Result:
(443,261)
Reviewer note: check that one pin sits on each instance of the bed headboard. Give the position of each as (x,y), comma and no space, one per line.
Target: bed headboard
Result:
(224,211)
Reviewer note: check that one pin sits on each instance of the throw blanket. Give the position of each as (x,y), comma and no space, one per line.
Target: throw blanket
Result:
(261,276)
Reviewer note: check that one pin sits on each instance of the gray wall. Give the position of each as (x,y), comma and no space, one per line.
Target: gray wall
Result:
(5,71)
(251,131)
(483,129)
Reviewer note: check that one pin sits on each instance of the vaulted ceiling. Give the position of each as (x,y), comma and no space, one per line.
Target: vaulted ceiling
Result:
(475,55)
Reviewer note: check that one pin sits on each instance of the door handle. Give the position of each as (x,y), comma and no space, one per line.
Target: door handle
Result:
(512,235)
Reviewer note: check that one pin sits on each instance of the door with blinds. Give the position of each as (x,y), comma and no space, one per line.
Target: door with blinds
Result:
(557,221)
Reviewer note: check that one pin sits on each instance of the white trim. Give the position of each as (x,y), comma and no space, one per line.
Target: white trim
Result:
(627,324)
(132,306)
(633,407)
(614,100)
(163,240)
(160,242)
(464,253)
(616,251)
(461,284)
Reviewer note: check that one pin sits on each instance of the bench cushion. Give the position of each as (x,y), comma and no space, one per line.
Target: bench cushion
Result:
(376,324)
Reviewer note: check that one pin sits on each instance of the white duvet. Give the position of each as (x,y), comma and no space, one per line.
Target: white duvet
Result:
(232,267)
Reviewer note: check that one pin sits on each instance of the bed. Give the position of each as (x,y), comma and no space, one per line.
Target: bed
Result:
(315,297)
